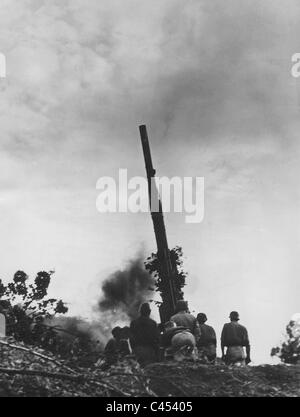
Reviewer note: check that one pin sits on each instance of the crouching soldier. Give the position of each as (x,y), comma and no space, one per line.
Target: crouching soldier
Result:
(235,338)
(112,348)
(179,342)
(207,343)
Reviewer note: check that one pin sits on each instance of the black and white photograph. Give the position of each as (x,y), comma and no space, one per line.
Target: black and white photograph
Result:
(149,201)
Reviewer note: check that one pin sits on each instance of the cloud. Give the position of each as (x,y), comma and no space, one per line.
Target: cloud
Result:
(198,66)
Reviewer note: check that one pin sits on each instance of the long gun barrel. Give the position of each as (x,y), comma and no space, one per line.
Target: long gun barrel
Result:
(167,271)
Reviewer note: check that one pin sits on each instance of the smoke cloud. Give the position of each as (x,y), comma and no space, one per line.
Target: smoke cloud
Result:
(72,328)
(125,290)
(122,294)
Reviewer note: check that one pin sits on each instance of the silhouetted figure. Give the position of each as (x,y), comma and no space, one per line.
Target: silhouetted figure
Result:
(207,343)
(144,337)
(112,348)
(235,338)
(183,318)
(178,342)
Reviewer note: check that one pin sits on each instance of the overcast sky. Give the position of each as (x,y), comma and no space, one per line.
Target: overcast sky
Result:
(211,79)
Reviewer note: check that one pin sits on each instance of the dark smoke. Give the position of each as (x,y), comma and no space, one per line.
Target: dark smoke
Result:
(122,294)
(125,290)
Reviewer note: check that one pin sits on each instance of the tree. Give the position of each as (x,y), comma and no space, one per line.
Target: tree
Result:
(289,352)
(26,307)
(152,265)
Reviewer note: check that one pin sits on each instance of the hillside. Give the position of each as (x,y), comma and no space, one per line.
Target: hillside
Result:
(35,373)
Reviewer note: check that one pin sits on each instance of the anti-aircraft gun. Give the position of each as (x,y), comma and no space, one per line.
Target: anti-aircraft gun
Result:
(167,271)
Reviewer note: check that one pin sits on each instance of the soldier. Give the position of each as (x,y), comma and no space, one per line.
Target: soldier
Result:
(178,341)
(235,338)
(144,338)
(183,318)
(112,348)
(207,343)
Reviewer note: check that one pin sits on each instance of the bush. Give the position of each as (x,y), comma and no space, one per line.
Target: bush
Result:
(153,266)
(25,306)
(289,352)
